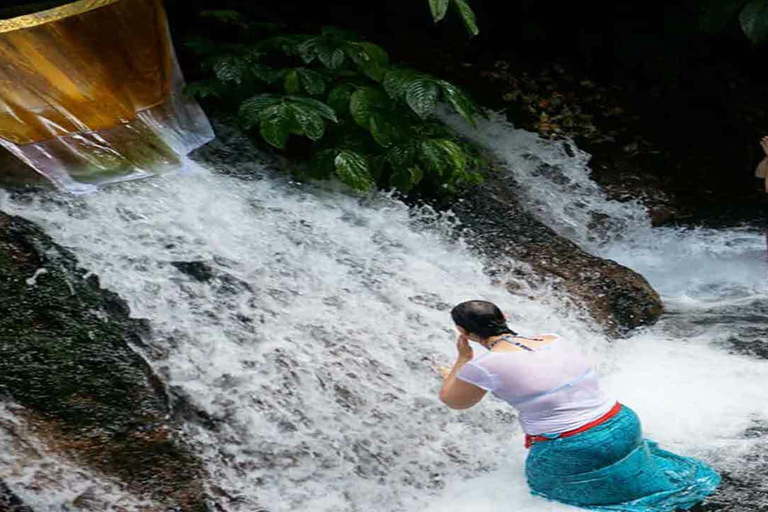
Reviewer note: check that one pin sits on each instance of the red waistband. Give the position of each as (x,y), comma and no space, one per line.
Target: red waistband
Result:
(529,439)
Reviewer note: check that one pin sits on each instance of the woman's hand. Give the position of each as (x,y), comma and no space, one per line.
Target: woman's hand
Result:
(444,371)
(764,145)
(465,351)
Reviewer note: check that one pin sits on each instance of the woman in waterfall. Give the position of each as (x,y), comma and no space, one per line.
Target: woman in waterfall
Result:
(586,449)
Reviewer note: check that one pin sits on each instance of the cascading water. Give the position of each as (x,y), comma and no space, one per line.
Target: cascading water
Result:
(312,327)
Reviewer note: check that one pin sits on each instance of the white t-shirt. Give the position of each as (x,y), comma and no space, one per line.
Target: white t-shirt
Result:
(553,387)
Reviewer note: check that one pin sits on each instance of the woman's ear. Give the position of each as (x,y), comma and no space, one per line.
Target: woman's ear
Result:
(462,331)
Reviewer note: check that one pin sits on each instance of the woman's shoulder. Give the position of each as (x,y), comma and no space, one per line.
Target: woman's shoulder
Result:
(548,336)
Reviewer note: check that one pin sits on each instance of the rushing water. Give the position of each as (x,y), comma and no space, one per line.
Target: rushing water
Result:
(314,339)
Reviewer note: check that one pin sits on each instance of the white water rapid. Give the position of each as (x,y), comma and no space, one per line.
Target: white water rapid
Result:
(315,340)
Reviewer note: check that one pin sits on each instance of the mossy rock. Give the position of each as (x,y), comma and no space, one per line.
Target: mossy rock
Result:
(67,357)
(9,502)
(616,297)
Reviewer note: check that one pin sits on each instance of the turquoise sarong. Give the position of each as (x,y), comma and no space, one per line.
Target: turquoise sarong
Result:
(611,467)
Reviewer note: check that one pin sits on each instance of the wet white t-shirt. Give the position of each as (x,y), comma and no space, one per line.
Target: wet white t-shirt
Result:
(553,387)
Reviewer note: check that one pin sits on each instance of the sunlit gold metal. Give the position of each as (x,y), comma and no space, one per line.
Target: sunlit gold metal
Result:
(82,67)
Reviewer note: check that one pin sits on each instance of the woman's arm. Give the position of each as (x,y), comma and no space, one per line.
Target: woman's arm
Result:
(456,393)
(762,167)
(761,171)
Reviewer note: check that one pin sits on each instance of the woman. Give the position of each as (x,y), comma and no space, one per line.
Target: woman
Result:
(762,171)
(586,449)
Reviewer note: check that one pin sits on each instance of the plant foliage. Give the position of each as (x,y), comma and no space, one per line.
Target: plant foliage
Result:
(368,122)
(439,9)
(752,16)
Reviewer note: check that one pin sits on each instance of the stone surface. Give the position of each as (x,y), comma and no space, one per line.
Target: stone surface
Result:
(67,357)
(618,298)
(9,502)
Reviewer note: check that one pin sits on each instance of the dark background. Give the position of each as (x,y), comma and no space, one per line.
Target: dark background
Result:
(697,81)
(687,68)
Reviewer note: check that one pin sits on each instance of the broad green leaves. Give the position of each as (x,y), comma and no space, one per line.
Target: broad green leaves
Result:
(467,16)
(440,7)
(754,21)
(303,78)
(210,88)
(716,15)
(334,47)
(372,109)
(353,170)
(422,96)
(421,92)
(368,124)
(224,16)
(279,116)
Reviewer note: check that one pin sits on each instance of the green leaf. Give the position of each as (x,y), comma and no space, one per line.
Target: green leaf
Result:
(421,96)
(311,123)
(230,69)
(365,53)
(456,156)
(382,131)
(467,16)
(322,166)
(332,57)
(406,179)
(275,125)
(312,81)
(438,8)
(376,53)
(352,169)
(339,97)
(308,49)
(369,58)
(361,105)
(433,157)
(402,156)
(338,33)
(224,16)
(754,21)
(265,73)
(318,106)
(205,88)
(251,109)
(292,83)
(459,101)
(397,81)
(202,46)
(289,44)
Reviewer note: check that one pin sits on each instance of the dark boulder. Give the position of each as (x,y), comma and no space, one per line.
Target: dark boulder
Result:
(67,357)
(495,224)
(9,502)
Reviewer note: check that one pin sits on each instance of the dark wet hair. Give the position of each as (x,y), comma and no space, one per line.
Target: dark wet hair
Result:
(481,318)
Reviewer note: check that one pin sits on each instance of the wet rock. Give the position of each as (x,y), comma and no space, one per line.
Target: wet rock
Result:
(198,270)
(618,298)
(624,178)
(66,356)
(9,502)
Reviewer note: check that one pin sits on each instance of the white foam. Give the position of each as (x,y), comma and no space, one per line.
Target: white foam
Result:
(315,341)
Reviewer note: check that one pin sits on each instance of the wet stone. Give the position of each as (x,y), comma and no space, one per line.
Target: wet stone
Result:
(9,502)
(198,270)
(67,357)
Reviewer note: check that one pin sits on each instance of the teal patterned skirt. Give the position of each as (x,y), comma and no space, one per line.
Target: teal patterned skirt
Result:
(611,467)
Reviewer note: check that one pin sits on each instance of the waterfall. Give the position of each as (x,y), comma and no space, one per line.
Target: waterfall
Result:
(312,335)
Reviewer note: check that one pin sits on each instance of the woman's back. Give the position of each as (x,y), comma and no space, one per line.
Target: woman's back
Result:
(551,385)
